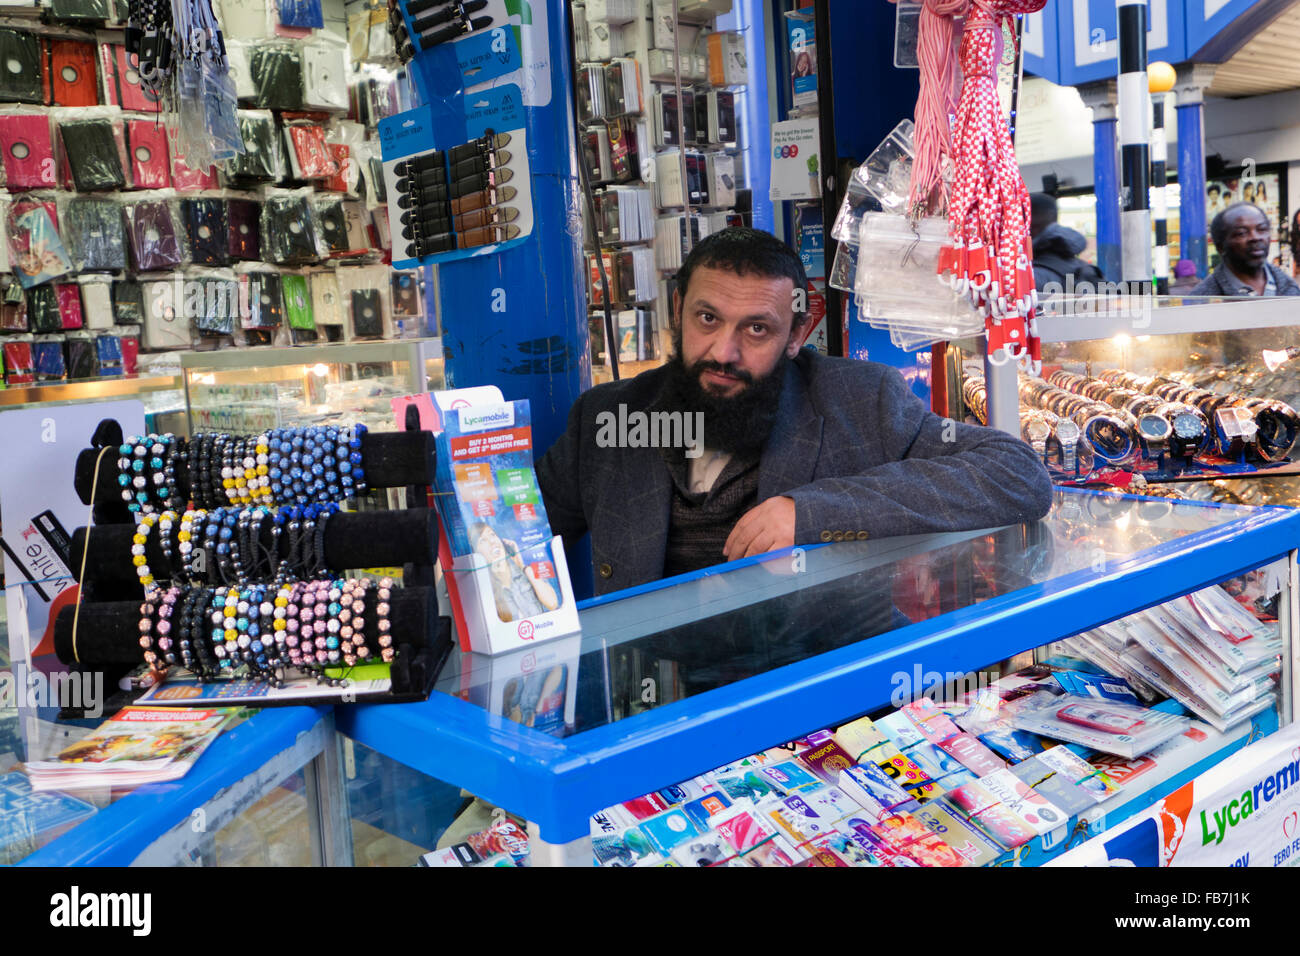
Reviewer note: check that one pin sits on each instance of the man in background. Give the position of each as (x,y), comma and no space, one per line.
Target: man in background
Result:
(1242,234)
(1056,248)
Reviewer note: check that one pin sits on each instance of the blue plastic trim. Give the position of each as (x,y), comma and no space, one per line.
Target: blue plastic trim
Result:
(558,783)
(121,831)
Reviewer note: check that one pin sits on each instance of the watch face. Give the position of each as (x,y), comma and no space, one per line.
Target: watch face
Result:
(1036,430)
(1187,425)
(1067,432)
(1154,427)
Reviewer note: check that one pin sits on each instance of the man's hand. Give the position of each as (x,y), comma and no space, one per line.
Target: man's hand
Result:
(765,527)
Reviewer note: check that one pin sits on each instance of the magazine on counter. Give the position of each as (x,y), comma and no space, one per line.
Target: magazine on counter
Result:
(136,745)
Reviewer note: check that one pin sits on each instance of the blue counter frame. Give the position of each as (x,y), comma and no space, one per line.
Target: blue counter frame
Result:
(557,783)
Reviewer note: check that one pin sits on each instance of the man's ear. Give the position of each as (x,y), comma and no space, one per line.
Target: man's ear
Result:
(675,319)
(799,334)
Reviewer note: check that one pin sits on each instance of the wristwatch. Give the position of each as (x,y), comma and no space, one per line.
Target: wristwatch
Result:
(1067,434)
(1236,431)
(1155,431)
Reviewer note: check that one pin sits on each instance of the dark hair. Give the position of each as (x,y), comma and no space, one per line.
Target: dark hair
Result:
(1219,224)
(746,251)
(1214,188)
(1041,204)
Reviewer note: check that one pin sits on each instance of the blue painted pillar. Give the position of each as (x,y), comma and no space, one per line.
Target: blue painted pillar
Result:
(1105,175)
(752,106)
(518,319)
(1193,78)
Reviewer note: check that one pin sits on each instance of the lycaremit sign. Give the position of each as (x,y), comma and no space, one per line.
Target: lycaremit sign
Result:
(1218,823)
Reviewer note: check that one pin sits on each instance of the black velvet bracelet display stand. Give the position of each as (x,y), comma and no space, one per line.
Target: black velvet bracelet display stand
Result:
(107,632)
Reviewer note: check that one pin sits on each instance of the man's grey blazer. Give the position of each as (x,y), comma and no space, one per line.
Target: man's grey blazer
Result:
(859,454)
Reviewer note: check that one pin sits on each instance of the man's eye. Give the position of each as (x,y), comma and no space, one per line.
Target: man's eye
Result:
(707,317)
(758,329)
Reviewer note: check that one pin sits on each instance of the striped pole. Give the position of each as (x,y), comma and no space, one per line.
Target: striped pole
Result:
(1159,201)
(1134,152)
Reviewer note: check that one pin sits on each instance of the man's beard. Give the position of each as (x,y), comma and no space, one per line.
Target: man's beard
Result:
(736,424)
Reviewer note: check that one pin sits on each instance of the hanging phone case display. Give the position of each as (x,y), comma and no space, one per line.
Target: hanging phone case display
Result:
(244,233)
(19,368)
(246,19)
(206,231)
(406,294)
(97,301)
(68,296)
(212,300)
(130,341)
(187,180)
(128,302)
(13,306)
(35,249)
(297,302)
(146,142)
(165,323)
(300,13)
(92,152)
(324,75)
(43,309)
(122,81)
(155,238)
(289,230)
(261,300)
(262,159)
(325,306)
(83,9)
(28,151)
(82,356)
(94,235)
(309,157)
(334,227)
(277,76)
(446,200)
(357,222)
(108,351)
(367,314)
(22,79)
(341,181)
(47,359)
(70,72)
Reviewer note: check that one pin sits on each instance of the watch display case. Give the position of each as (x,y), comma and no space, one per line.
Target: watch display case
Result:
(674,679)
(250,390)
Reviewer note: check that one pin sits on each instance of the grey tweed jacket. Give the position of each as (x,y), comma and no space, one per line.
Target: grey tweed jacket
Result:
(859,454)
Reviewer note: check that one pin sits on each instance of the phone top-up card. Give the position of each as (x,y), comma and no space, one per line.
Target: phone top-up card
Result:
(745,786)
(1036,810)
(1052,785)
(966,839)
(1079,772)
(627,848)
(940,730)
(874,790)
(744,829)
(909,776)
(707,849)
(668,830)
(645,807)
(702,808)
(776,851)
(803,819)
(788,776)
(859,737)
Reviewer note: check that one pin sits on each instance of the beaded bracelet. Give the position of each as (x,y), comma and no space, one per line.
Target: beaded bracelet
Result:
(382,624)
(139,539)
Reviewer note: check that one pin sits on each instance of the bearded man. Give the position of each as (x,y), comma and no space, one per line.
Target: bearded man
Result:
(798,448)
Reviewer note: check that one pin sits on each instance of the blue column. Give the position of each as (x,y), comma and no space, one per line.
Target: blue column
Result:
(1105,173)
(1191,185)
(518,319)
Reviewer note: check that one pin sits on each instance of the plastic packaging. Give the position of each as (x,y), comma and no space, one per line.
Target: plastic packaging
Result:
(94,232)
(1125,730)
(324,64)
(309,155)
(364,292)
(206,231)
(244,229)
(92,150)
(290,234)
(22,79)
(36,251)
(261,300)
(128,302)
(333,225)
(108,349)
(19,369)
(165,323)
(83,358)
(212,300)
(68,295)
(13,306)
(28,151)
(325,304)
(122,85)
(246,19)
(263,158)
(147,151)
(47,359)
(301,13)
(154,236)
(43,309)
(130,350)
(185,179)
(97,301)
(297,302)
(83,9)
(885,178)
(277,76)
(71,77)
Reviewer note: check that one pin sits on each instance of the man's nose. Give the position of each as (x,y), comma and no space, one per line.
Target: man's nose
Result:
(725,349)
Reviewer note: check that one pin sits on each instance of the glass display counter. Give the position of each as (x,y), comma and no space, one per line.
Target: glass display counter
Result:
(672,679)
(255,389)
(163,396)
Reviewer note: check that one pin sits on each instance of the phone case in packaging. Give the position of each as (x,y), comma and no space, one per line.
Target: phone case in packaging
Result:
(325,84)
(68,295)
(358,226)
(341,181)
(309,155)
(71,74)
(367,314)
(1125,730)
(264,301)
(47,359)
(122,85)
(83,357)
(277,76)
(297,302)
(246,19)
(216,312)
(93,150)
(262,159)
(43,309)
(334,226)
(28,151)
(82,9)
(108,349)
(18,363)
(165,323)
(406,294)
(289,232)
(206,231)
(301,13)
(95,239)
(97,302)
(35,248)
(128,302)
(22,79)
(13,306)
(244,235)
(155,240)
(187,180)
(325,305)
(130,350)
(147,147)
